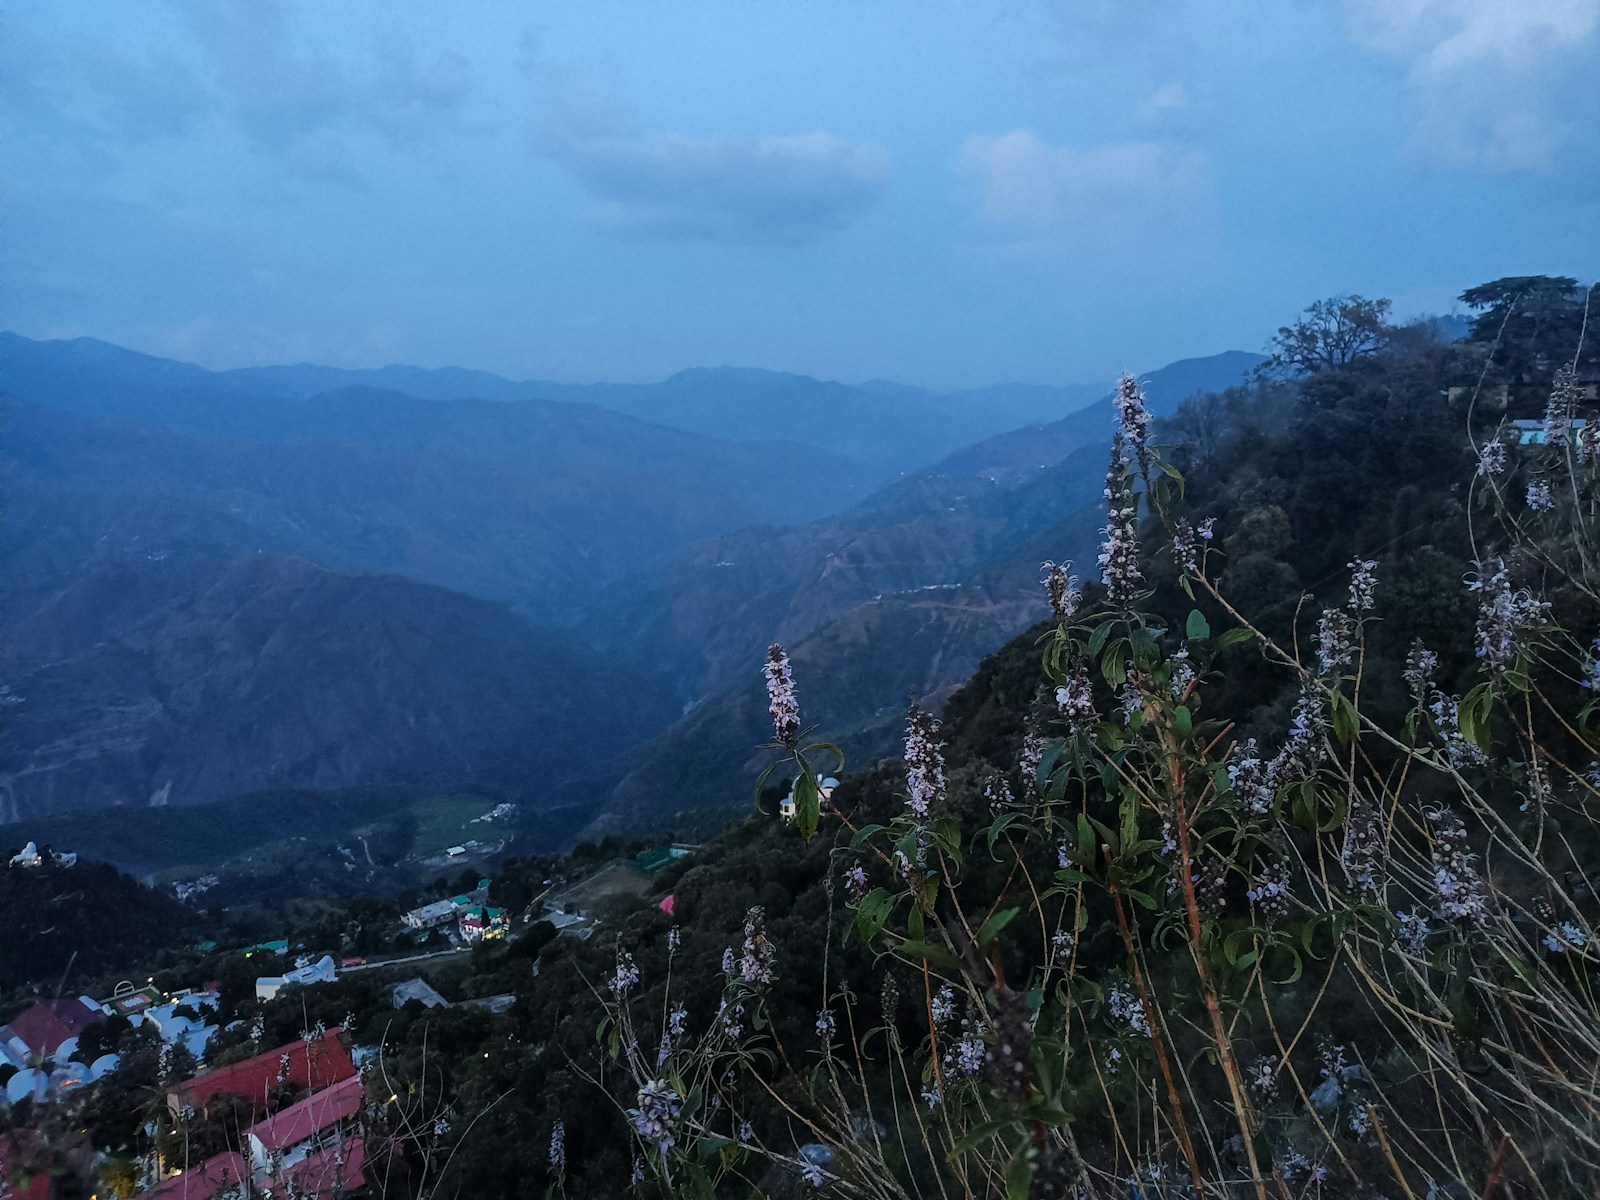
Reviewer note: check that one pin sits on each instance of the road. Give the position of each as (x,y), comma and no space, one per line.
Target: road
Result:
(395,962)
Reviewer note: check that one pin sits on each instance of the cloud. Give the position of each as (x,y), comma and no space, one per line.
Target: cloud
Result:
(1136,202)
(1496,85)
(281,88)
(779,190)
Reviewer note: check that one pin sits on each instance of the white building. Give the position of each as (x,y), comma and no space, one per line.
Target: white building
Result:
(321,971)
(429,915)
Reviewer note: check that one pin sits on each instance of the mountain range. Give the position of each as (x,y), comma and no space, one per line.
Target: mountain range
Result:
(304,577)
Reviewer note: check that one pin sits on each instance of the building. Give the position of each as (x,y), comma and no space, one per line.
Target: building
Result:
(304,974)
(312,1066)
(289,1136)
(430,915)
(39,1031)
(788,806)
(128,1000)
(328,1174)
(225,1177)
(28,856)
(479,922)
(281,946)
(417,989)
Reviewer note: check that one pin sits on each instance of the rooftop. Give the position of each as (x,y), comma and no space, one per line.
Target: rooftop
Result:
(44,1026)
(204,1181)
(299,1121)
(313,1066)
(330,1172)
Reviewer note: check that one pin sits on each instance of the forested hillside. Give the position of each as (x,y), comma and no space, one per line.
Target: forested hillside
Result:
(901,594)
(857,1028)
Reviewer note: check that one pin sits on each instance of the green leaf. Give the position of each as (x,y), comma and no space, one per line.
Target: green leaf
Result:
(1097,639)
(1234,637)
(873,912)
(999,826)
(992,927)
(829,748)
(1019,1174)
(711,1145)
(807,805)
(1145,649)
(1346,724)
(1083,849)
(937,955)
(1197,628)
(1112,666)
(761,782)
(976,1136)
(947,836)
(1182,721)
(865,834)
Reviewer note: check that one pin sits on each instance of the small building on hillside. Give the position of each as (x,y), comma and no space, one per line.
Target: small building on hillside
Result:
(28,856)
(304,974)
(40,1030)
(310,1066)
(788,806)
(417,989)
(429,915)
(480,923)
(225,1177)
(289,1136)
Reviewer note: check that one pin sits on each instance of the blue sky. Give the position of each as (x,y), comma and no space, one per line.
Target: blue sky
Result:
(939,192)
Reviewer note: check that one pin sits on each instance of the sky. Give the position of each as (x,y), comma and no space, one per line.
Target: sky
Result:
(942,192)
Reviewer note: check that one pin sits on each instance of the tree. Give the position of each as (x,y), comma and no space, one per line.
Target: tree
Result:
(1532,321)
(1332,333)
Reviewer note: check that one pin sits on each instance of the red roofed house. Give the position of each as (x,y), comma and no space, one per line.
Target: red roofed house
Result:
(331,1172)
(312,1065)
(40,1030)
(315,1137)
(301,1125)
(226,1175)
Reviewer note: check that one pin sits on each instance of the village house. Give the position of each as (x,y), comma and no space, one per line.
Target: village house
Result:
(324,1121)
(310,1066)
(430,915)
(224,1177)
(39,1032)
(305,973)
(479,922)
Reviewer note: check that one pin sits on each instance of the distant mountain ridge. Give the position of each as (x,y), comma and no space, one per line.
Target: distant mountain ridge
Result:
(887,428)
(902,594)
(294,578)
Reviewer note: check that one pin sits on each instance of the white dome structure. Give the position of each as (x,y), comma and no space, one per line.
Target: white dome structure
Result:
(30,1083)
(104,1065)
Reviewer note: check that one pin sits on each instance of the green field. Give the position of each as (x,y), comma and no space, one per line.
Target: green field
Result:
(447,821)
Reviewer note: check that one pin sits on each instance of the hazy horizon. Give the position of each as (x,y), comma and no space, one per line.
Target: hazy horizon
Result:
(616,192)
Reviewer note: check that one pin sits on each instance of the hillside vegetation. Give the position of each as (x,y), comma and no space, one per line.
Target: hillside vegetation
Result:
(1162,905)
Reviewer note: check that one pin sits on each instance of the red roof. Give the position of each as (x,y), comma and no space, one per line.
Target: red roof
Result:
(313,1066)
(204,1181)
(331,1172)
(47,1024)
(299,1121)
